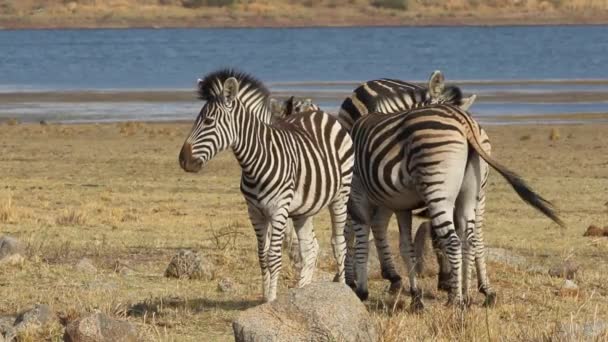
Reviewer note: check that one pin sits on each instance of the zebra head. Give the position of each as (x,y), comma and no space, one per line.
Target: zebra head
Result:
(227,93)
(440,93)
(292,106)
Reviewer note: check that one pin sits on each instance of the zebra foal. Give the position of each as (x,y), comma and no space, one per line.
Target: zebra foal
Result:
(290,169)
(427,157)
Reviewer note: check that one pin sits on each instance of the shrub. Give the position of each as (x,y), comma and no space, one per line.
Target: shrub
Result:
(392,4)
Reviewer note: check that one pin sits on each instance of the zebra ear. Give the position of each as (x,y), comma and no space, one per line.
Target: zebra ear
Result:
(468,102)
(436,84)
(231,89)
(289,106)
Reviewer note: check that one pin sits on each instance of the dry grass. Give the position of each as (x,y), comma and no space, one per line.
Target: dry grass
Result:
(71,217)
(128,202)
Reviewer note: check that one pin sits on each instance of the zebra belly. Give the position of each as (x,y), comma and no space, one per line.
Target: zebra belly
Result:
(403,199)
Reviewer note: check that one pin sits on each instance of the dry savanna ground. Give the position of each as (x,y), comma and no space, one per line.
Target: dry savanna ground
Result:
(114,193)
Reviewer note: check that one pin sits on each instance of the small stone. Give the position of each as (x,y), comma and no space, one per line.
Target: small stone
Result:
(569,289)
(98,327)
(9,246)
(594,230)
(40,314)
(85,265)
(567,270)
(225,285)
(188,264)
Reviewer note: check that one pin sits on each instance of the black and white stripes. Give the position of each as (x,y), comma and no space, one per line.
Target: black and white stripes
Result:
(292,168)
(430,157)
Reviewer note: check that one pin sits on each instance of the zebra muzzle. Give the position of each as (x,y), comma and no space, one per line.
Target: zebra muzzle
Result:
(187,160)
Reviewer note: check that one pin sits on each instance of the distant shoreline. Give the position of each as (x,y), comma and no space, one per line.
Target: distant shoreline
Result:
(242,20)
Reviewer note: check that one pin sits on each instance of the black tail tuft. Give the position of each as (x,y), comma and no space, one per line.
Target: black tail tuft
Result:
(529,196)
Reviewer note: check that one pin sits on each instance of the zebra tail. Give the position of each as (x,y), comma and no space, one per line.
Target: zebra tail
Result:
(525,192)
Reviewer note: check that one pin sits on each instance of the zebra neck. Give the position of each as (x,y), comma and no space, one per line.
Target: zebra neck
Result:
(253,146)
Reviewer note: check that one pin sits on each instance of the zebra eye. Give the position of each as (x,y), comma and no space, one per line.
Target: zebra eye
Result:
(208,121)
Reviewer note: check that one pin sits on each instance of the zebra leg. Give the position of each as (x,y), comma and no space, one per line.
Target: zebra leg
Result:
(483,282)
(465,218)
(262,232)
(337,210)
(309,249)
(277,222)
(349,260)
(408,254)
(443,279)
(379,228)
(361,231)
(442,214)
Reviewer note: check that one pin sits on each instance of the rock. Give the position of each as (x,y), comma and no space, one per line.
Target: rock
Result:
(188,264)
(569,289)
(592,331)
(318,312)
(225,285)
(567,270)
(40,314)
(505,256)
(594,230)
(9,246)
(98,327)
(85,265)
(6,327)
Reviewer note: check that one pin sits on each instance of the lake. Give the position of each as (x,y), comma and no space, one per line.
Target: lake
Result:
(324,63)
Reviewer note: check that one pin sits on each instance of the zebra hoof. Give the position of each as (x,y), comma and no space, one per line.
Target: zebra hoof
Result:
(395,287)
(490,300)
(416,306)
(362,294)
(352,285)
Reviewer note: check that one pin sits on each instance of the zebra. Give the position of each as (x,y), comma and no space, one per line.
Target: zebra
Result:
(390,96)
(290,169)
(429,157)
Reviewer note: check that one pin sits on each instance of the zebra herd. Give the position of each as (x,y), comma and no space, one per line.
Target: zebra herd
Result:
(394,147)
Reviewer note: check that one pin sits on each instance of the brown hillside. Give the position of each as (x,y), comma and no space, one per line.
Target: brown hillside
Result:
(238,13)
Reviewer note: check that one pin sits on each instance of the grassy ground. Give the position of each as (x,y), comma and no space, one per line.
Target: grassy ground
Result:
(180,13)
(115,193)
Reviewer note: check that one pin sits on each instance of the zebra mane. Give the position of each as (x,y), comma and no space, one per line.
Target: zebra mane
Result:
(210,87)
(452,95)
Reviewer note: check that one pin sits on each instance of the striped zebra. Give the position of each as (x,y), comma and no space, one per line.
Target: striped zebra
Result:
(290,169)
(391,96)
(427,157)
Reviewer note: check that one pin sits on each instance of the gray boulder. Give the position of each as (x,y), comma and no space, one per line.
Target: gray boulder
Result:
(323,311)
(98,327)
(189,264)
(10,246)
(7,331)
(40,314)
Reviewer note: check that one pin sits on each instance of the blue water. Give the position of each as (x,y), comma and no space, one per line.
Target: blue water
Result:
(66,60)
(174,58)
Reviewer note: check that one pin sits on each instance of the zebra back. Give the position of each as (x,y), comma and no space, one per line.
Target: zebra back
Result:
(389,96)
